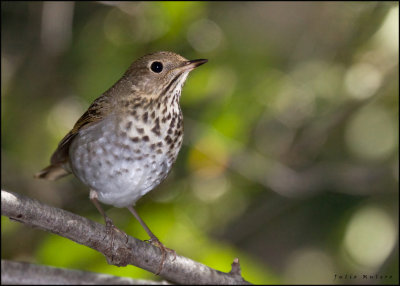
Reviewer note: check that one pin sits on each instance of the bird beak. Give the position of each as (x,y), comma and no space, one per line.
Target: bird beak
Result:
(190,65)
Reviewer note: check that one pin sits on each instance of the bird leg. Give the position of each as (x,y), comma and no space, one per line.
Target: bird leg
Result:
(153,240)
(110,227)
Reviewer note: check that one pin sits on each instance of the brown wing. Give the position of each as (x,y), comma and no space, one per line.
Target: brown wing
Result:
(95,113)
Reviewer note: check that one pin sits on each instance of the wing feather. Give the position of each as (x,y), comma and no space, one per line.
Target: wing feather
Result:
(96,112)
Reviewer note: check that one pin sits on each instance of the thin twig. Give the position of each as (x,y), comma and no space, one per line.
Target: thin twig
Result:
(236,267)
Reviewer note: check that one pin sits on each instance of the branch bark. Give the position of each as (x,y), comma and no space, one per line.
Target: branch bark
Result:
(121,252)
(23,273)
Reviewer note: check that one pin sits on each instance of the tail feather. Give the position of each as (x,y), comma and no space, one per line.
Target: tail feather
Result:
(52,172)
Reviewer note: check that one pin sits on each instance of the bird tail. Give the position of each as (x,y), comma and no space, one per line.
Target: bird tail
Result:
(52,172)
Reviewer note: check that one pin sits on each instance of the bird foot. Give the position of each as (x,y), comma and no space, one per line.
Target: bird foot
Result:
(155,241)
(111,229)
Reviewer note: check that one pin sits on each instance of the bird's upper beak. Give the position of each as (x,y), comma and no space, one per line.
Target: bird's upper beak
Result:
(190,65)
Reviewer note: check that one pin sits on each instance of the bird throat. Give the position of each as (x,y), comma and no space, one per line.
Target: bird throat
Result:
(176,84)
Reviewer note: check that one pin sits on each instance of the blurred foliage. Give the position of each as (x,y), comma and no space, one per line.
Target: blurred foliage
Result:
(290,157)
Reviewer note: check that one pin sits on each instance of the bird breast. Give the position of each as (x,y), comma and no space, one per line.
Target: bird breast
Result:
(126,155)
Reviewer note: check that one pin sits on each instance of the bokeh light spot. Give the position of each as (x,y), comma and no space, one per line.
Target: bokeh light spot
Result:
(309,266)
(371,133)
(63,116)
(362,80)
(294,104)
(210,189)
(370,237)
(204,35)
(388,35)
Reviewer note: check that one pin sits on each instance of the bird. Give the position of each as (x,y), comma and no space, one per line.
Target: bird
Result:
(126,142)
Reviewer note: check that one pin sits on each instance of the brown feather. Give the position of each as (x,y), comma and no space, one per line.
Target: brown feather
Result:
(52,173)
(95,113)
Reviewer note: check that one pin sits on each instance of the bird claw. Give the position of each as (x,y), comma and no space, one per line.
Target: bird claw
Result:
(155,241)
(110,230)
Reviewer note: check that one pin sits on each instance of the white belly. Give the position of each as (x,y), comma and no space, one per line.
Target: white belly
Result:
(123,168)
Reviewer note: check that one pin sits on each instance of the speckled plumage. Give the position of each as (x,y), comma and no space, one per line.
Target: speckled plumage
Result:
(124,145)
(129,154)
(126,142)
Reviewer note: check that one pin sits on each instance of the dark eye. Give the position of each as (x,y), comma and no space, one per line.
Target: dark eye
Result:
(156,67)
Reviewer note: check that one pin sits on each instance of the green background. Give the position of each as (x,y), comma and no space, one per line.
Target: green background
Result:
(290,155)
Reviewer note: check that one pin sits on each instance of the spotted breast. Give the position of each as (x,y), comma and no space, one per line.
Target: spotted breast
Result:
(130,153)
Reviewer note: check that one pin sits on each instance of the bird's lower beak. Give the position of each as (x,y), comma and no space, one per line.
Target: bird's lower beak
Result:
(190,65)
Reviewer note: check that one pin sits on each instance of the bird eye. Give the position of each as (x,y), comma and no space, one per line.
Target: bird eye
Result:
(156,67)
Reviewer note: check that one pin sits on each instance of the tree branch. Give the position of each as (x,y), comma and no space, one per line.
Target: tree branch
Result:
(180,270)
(22,273)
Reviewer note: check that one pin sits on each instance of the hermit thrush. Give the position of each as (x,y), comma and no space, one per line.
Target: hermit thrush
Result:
(124,145)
